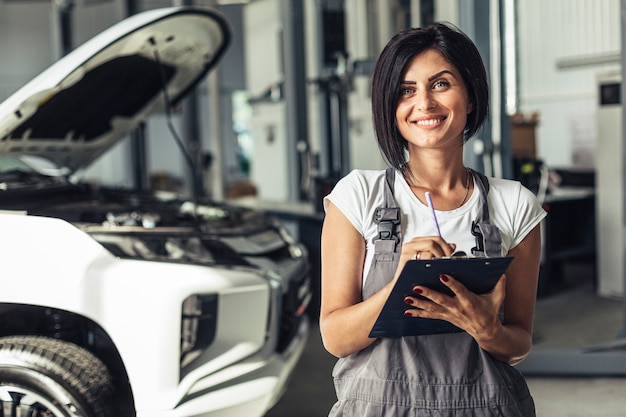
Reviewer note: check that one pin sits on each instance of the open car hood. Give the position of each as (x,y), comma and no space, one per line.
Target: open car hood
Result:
(90,99)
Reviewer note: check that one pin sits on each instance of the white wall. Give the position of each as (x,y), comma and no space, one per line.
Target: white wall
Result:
(364,151)
(26,47)
(269,166)
(30,39)
(549,32)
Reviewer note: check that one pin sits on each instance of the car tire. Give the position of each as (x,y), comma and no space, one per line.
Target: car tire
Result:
(40,376)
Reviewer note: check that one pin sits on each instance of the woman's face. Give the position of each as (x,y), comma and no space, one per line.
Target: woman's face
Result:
(434,104)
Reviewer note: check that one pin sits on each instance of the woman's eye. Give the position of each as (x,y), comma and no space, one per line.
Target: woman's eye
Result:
(406,91)
(441,84)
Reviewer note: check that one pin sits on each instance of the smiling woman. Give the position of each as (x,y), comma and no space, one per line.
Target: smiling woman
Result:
(391,72)
(433,107)
(429,96)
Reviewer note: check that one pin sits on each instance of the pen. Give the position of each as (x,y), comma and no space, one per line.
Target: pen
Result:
(429,200)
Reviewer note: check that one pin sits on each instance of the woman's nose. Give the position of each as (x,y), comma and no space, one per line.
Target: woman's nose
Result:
(424,100)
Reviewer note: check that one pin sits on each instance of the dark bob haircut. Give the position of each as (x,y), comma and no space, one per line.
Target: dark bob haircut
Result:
(457,48)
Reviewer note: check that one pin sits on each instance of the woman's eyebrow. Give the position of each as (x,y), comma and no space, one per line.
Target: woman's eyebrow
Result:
(431,78)
(440,73)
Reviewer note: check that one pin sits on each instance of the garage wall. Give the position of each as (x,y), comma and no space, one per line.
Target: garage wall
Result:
(551,32)
(29,36)
(22,28)
(268,124)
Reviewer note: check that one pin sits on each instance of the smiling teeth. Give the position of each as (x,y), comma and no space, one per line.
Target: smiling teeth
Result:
(429,122)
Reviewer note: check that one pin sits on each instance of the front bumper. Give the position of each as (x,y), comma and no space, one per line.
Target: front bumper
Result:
(249,389)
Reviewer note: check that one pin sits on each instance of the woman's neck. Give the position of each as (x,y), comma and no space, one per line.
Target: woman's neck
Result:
(450,184)
(435,173)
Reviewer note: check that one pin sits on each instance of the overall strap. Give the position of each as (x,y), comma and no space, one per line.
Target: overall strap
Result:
(387,218)
(488,238)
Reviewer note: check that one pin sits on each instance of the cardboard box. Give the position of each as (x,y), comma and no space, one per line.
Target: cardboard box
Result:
(523,136)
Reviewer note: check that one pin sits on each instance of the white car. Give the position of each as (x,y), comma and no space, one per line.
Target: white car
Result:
(115,302)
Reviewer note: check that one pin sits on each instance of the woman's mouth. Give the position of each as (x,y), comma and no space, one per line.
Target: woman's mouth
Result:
(429,122)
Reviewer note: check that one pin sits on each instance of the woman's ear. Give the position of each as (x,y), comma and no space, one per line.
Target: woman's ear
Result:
(470,108)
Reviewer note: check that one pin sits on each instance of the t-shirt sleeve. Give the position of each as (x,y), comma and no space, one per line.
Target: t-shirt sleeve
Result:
(343,195)
(352,195)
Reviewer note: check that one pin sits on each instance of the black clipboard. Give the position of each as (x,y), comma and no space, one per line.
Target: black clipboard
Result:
(477,274)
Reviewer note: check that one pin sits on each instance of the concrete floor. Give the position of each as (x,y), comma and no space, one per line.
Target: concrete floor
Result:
(593,321)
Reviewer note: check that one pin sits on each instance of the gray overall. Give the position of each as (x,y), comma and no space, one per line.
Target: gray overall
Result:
(442,375)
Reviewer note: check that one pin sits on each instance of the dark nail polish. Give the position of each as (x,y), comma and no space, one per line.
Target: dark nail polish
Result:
(443,278)
(417,290)
(407,313)
(408,300)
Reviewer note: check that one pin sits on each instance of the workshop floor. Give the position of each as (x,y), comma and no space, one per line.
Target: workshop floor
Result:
(583,319)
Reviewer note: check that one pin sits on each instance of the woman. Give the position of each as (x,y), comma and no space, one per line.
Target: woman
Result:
(429,95)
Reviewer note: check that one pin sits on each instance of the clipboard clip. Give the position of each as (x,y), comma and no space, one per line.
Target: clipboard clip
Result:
(387,218)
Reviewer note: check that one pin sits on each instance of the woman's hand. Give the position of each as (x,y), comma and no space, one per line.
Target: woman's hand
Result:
(424,248)
(508,340)
(427,247)
(477,314)
(345,318)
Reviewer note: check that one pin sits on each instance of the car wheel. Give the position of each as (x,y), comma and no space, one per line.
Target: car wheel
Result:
(43,377)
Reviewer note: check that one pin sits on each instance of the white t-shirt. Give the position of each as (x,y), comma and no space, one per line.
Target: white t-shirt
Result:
(513,208)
